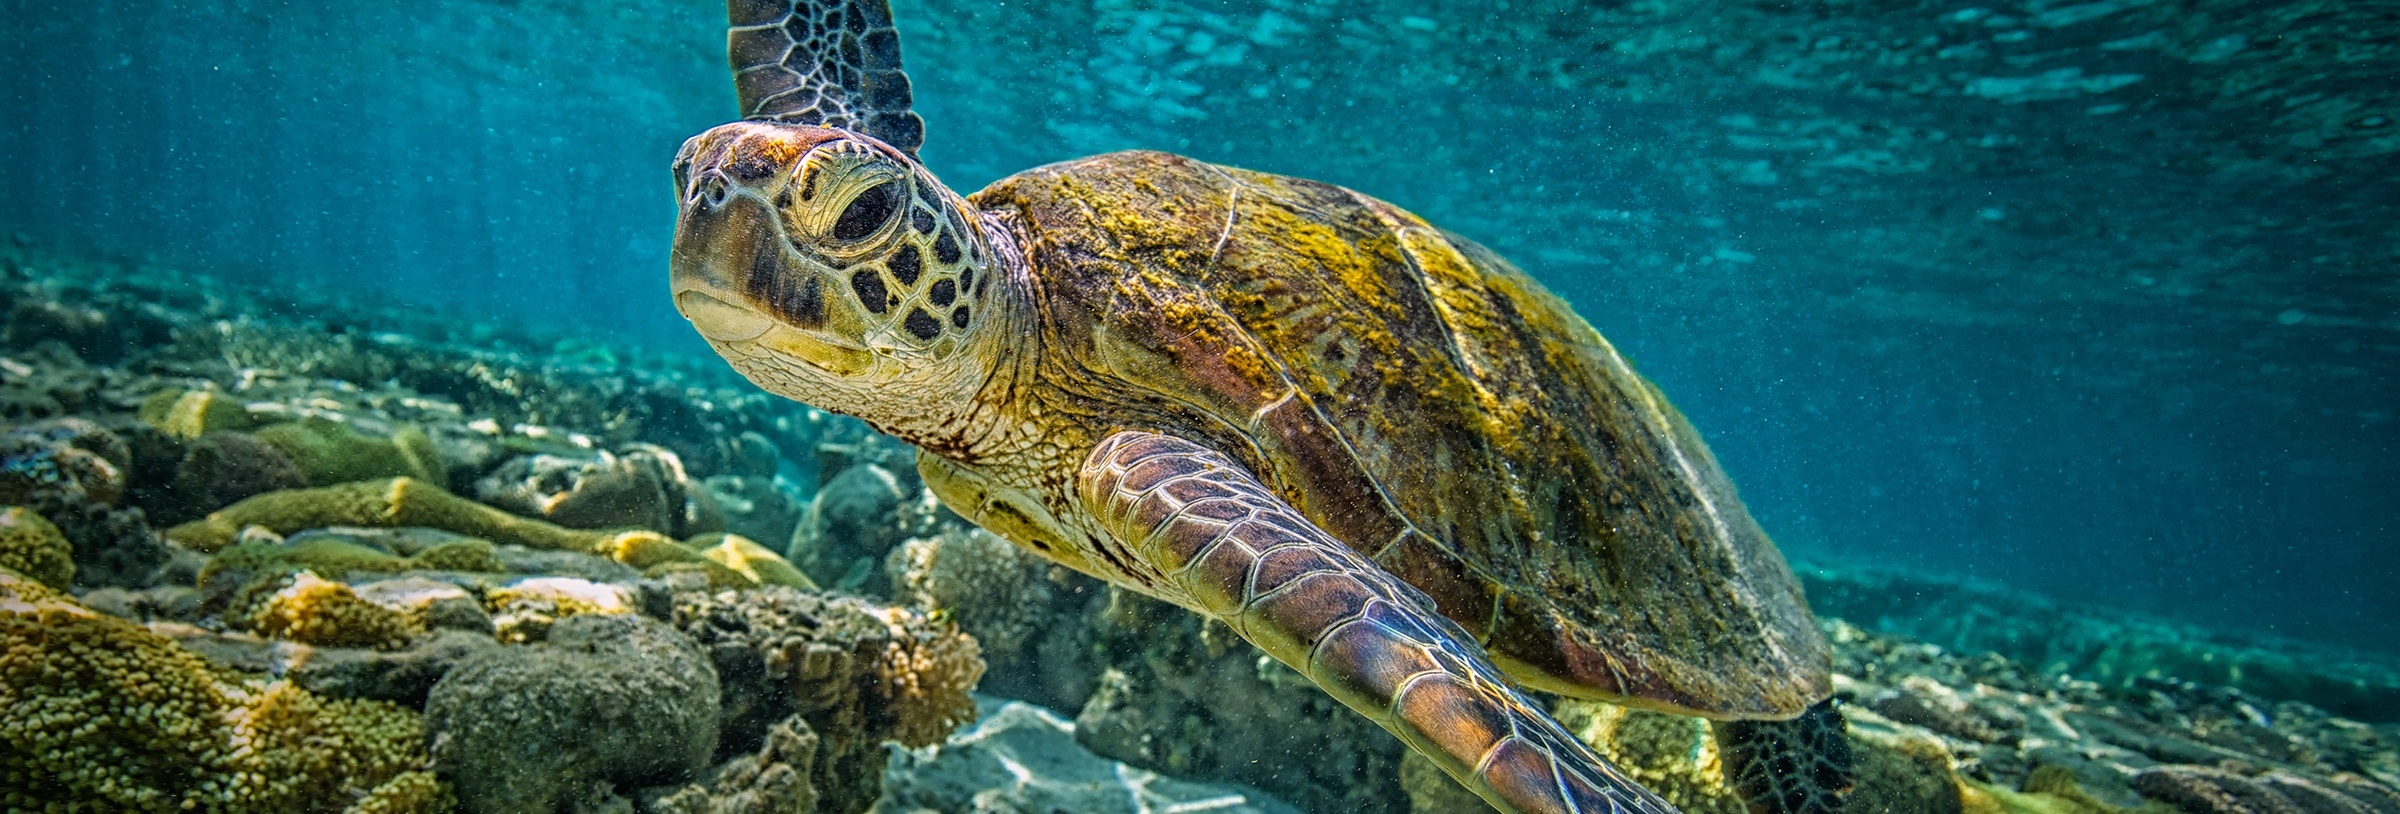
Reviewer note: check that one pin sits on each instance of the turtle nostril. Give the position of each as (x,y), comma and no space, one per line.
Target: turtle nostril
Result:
(711,191)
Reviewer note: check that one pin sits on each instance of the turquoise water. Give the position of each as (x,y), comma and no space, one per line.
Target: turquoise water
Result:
(2093,299)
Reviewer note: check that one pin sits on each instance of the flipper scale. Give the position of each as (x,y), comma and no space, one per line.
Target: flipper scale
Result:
(1318,606)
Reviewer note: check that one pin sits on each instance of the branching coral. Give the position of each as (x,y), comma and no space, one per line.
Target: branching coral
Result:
(927,670)
(100,713)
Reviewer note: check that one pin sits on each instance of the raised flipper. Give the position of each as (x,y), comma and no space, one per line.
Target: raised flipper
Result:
(1207,533)
(829,63)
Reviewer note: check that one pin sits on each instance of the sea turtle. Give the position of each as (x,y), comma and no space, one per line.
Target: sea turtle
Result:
(1375,449)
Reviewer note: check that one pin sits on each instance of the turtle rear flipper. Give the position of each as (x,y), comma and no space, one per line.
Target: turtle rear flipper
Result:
(1210,534)
(827,63)
(1799,766)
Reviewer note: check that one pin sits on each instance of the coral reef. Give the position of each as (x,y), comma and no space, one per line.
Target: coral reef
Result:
(1033,617)
(858,673)
(640,486)
(757,563)
(2102,645)
(607,699)
(414,792)
(2209,790)
(1191,699)
(222,468)
(72,471)
(773,780)
(527,609)
(853,523)
(383,503)
(101,713)
(190,414)
(312,610)
(330,452)
(31,546)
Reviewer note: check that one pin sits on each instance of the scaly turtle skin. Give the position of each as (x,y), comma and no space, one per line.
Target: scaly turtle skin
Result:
(1375,449)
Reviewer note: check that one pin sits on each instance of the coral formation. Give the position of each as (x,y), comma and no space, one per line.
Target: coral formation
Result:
(1031,616)
(2209,790)
(640,486)
(2105,646)
(32,546)
(607,699)
(1189,698)
(412,792)
(757,563)
(859,674)
(73,472)
(312,610)
(773,780)
(1674,755)
(101,713)
(853,523)
(525,610)
(221,468)
(330,452)
(382,503)
(190,414)
(760,507)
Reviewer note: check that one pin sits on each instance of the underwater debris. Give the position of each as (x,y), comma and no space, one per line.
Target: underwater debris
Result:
(615,699)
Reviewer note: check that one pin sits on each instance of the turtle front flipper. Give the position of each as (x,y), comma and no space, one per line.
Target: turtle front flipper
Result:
(1209,535)
(828,63)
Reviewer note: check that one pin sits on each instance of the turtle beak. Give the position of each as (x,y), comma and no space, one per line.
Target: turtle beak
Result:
(706,292)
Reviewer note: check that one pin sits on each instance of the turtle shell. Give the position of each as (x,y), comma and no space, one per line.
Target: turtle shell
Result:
(1428,403)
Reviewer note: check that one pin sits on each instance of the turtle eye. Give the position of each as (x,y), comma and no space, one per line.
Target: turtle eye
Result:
(868,212)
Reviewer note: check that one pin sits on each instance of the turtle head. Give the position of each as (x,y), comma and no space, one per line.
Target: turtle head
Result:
(829,266)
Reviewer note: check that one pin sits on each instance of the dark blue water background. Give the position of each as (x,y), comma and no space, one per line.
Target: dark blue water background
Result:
(2132,345)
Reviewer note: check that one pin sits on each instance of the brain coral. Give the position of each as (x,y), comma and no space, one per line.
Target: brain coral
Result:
(99,713)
